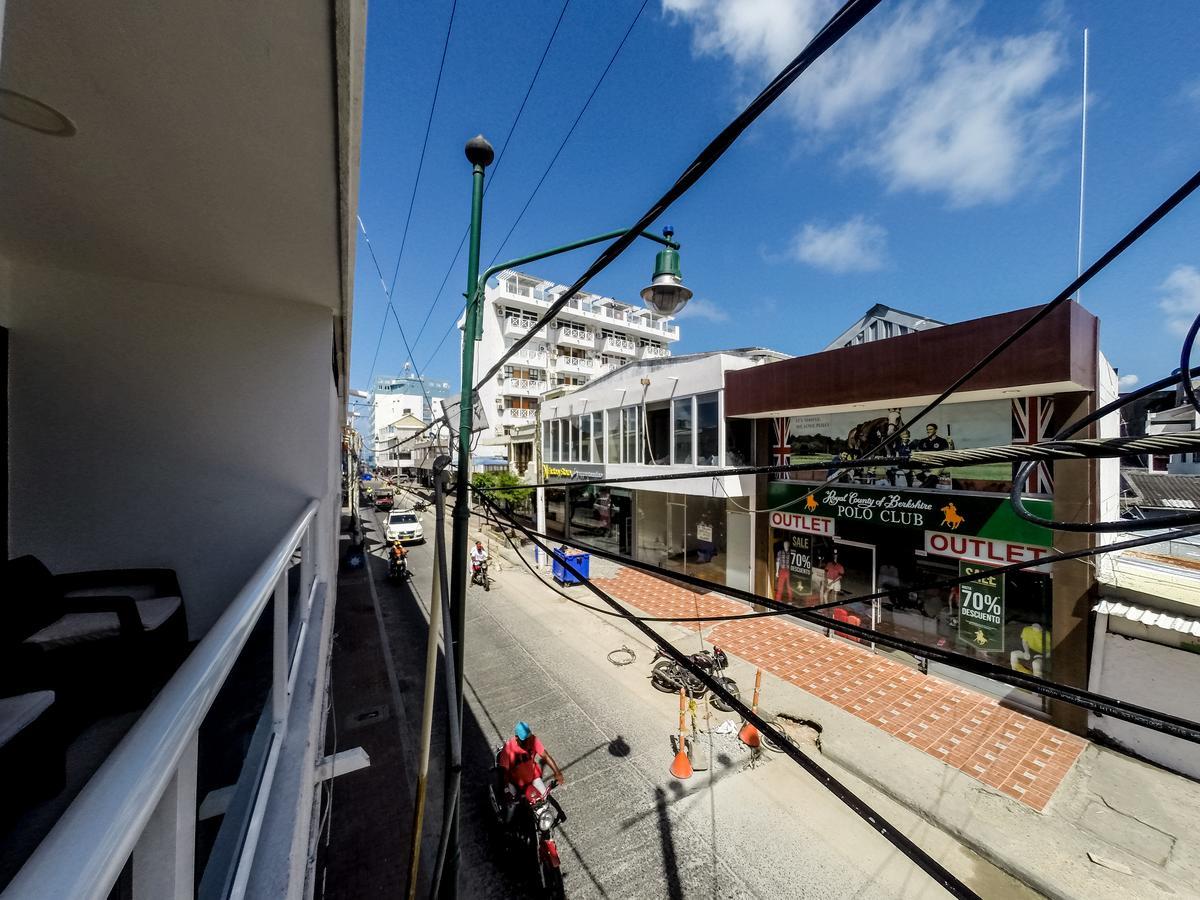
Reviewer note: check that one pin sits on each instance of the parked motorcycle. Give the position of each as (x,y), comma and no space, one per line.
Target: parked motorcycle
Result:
(479,575)
(527,821)
(669,676)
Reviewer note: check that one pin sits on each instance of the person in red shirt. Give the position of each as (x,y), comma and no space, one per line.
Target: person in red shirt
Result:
(834,571)
(519,763)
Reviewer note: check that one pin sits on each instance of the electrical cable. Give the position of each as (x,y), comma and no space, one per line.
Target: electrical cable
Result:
(416,181)
(922,859)
(495,167)
(1157,215)
(412,199)
(1120,709)
(1185,364)
(570,131)
(1116,525)
(851,13)
(1092,448)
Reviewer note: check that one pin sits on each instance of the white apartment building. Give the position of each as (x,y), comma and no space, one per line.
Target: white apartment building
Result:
(394,397)
(590,337)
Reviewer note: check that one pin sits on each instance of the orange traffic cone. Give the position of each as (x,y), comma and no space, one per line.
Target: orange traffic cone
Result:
(749,734)
(682,766)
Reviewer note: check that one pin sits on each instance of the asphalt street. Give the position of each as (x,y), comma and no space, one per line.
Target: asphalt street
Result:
(742,828)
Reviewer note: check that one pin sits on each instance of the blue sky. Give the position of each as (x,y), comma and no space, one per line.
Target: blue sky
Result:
(929,162)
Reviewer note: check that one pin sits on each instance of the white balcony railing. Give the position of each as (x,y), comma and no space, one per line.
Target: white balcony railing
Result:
(619,346)
(575,363)
(515,416)
(516,326)
(537,357)
(576,337)
(523,387)
(647,352)
(142,800)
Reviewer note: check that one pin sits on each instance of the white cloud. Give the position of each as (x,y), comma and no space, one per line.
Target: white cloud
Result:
(979,127)
(704,309)
(856,245)
(1180,297)
(922,98)
(1128,381)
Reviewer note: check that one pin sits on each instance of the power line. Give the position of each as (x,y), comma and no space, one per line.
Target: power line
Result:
(495,167)
(416,181)
(845,19)
(570,131)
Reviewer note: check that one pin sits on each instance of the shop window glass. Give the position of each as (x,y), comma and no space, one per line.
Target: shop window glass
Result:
(656,442)
(585,438)
(708,432)
(555,445)
(614,435)
(547,443)
(573,449)
(739,442)
(629,421)
(598,437)
(683,432)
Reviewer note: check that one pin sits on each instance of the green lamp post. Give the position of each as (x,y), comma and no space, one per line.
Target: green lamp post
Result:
(665,295)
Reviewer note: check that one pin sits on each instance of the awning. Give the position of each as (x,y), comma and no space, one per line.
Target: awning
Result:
(1166,621)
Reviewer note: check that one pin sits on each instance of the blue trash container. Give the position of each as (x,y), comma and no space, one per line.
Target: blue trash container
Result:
(580,561)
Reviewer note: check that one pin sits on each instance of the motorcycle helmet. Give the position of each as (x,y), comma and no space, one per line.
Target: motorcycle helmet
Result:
(522,731)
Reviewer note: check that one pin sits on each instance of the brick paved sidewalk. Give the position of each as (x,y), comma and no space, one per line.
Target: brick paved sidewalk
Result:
(1020,756)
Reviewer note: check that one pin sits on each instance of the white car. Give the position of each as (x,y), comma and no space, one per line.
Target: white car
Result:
(404,526)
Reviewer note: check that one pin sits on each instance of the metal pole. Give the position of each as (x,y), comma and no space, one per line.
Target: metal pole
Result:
(480,155)
(431,656)
(1082,165)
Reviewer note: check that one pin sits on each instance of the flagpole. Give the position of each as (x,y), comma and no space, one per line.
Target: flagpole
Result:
(1082,165)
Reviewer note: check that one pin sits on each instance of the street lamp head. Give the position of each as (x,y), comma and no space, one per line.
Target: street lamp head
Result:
(666,294)
(479,151)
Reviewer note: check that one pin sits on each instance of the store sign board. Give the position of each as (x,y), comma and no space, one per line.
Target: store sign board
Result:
(569,473)
(981,549)
(803,523)
(852,506)
(981,608)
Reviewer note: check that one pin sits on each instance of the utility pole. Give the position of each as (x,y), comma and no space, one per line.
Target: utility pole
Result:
(479,155)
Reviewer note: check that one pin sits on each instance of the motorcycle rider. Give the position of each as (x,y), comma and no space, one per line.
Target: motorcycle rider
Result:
(478,557)
(396,557)
(518,763)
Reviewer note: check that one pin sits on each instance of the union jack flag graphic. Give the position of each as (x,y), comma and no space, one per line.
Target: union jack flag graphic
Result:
(782,451)
(1031,425)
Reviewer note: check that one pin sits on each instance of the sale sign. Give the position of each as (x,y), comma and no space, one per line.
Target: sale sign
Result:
(981,608)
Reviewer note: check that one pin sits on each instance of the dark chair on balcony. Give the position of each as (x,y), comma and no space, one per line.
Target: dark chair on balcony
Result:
(108,636)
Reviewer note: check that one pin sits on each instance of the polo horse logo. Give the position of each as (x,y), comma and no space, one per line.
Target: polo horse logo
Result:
(950,517)
(811,503)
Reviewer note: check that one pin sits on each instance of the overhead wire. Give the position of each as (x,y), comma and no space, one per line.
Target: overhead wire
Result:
(922,859)
(850,14)
(1154,720)
(495,167)
(437,87)
(570,131)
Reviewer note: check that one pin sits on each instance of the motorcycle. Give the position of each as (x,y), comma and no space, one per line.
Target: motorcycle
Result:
(528,820)
(479,575)
(397,567)
(669,676)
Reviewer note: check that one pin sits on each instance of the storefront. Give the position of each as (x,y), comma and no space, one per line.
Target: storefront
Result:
(702,536)
(849,541)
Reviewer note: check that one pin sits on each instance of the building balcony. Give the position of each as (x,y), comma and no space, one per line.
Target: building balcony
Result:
(653,352)
(518,326)
(523,387)
(534,357)
(618,346)
(576,337)
(582,365)
(515,416)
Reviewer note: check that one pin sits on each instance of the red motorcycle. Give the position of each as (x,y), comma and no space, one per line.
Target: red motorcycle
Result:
(528,814)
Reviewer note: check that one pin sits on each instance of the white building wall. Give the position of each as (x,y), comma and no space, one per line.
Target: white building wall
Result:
(494,343)
(1154,676)
(249,440)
